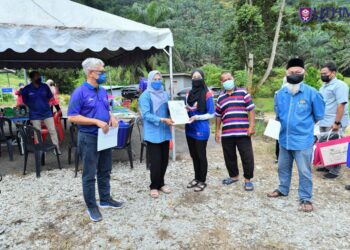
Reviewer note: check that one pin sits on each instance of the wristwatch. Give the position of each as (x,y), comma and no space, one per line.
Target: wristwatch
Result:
(337,123)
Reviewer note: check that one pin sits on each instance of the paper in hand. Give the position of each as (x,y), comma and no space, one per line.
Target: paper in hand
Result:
(273,129)
(109,140)
(178,112)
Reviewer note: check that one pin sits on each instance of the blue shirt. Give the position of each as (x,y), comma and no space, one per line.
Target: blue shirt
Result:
(334,93)
(90,102)
(143,84)
(154,130)
(297,115)
(200,129)
(37,99)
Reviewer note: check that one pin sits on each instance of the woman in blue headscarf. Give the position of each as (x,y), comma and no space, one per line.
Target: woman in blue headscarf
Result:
(153,104)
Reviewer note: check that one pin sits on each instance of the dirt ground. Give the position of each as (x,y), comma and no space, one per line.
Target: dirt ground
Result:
(49,213)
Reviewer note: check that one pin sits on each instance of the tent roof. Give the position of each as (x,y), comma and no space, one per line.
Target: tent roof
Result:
(62,33)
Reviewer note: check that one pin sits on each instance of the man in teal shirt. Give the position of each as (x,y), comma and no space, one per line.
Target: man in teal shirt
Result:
(298,107)
(336,95)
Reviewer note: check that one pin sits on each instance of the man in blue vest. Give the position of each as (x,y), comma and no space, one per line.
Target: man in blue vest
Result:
(298,107)
(89,109)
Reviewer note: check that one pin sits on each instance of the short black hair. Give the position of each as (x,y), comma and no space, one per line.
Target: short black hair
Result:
(330,65)
(33,73)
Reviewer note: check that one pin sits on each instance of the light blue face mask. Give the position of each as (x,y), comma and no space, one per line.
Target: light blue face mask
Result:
(229,85)
(157,84)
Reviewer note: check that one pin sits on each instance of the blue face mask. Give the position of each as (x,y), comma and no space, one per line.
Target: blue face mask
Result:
(102,78)
(157,84)
(229,85)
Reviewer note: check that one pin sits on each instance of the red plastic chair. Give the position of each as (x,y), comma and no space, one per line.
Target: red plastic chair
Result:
(44,131)
(58,125)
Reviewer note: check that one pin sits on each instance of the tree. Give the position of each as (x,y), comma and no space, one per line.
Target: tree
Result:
(243,38)
(274,45)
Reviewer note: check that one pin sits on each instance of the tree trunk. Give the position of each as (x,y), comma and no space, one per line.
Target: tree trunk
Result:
(250,72)
(274,46)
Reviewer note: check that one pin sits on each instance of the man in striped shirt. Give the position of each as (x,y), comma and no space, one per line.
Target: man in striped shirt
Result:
(235,111)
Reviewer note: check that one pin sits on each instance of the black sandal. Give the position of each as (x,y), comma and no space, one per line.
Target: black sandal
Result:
(302,206)
(200,187)
(279,194)
(192,183)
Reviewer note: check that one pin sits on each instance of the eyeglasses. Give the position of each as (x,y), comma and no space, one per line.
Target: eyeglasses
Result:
(99,71)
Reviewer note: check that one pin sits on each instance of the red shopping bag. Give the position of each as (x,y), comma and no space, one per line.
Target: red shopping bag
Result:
(331,153)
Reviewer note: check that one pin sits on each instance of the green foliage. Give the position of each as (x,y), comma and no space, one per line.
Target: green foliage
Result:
(240,78)
(312,77)
(243,36)
(212,74)
(134,105)
(8,98)
(64,99)
(272,84)
(64,78)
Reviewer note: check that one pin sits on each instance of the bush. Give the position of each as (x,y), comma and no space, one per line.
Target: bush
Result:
(212,74)
(64,99)
(8,97)
(241,78)
(312,77)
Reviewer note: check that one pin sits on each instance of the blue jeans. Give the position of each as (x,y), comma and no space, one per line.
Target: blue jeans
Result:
(94,163)
(285,166)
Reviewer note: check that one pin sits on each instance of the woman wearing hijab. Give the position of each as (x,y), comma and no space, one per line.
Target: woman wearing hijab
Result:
(200,105)
(153,104)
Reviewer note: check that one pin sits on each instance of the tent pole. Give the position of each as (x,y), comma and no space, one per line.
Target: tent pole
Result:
(25,76)
(172,98)
(8,79)
(110,79)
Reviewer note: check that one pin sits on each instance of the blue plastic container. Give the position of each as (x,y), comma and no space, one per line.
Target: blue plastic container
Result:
(122,133)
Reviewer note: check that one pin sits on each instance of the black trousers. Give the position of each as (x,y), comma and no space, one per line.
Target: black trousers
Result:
(198,152)
(158,159)
(245,148)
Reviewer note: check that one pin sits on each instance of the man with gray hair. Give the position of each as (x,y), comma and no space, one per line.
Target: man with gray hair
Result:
(89,109)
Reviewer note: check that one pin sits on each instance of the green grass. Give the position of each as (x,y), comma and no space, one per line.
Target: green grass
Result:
(14,81)
(264,104)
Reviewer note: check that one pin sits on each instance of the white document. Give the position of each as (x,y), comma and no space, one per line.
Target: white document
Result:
(178,112)
(335,154)
(273,129)
(109,140)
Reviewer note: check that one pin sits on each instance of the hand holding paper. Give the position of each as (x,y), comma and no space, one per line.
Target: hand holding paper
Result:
(107,140)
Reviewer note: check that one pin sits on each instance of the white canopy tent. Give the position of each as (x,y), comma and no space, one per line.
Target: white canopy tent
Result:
(62,33)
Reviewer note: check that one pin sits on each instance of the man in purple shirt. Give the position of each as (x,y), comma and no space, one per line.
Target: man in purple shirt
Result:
(89,109)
